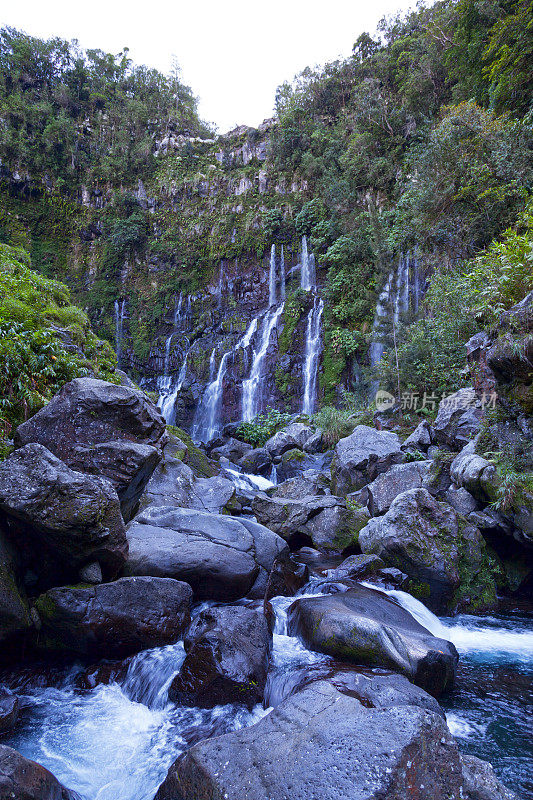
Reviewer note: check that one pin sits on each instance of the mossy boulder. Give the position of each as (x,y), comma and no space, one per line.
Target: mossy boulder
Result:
(437,548)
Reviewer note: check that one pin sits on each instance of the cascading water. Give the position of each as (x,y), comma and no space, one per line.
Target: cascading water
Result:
(272,277)
(252,388)
(305,274)
(117,741)
(120,311)
(313,341)
(377,346)
(207,418)
(282,289)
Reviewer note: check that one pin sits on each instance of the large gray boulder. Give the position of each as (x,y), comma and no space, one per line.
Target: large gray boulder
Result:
(96,427)
(442,553)
(379,494)
(114,619)
(257,462)
(475,474)
(22,779)
(458,419)
(60,519)
(324,518)
(362,456)
(227,659)
(420,439)
(321,743)
(232,449)
(222,558)
(481,782)
(364,626)
(293,436)
(309,483)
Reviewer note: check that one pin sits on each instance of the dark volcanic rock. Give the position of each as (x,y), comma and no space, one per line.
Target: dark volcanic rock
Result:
(226,661)
(293,436)
(481,782)
(222,558)
(62,518)
(379,494)
(362,456)
(445,557)
(322,744)
(96,427)
(257,462)
(14,616)
(114,619)
(9,710)
(22,779)
(365,626)
(458,419)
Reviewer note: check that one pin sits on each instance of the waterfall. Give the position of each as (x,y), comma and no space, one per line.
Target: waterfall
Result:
(272,277)
(377,346)
(282,275)
(120,310)
(177,312)
(312,353)
(252,395)
(207,417)
(306,281)
(212,365)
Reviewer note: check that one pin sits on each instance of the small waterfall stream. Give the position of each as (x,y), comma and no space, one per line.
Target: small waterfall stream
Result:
(272,277)
(120,313)
(207,417)
(313,345)
(252,387)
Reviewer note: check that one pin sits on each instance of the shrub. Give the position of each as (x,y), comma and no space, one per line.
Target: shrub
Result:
(259,430)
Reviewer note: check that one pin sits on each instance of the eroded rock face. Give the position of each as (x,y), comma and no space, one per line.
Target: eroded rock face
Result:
(114,619)
(9,710)
(458,419)
(420,439)
(364,626)
(330,747)
(293,436)
(222,558)
(102,429)
(362,456)
(379,494)
(257,462)
(61,519)
(444,556)
(227,659)
(23,779)
(481,782)
(324,518)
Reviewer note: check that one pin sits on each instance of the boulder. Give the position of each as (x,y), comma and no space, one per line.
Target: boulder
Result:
(362,456)
(14,616)
(356,568)
(444,556)
(22,779)
(463,502)
(257,462)
(379,494)
(227,659)
(420,439)
(232,449)
(458,419)
(310,482)
(481,782)
(171,480)
(114,619)
(61,518)
(325,519)
(337,527)
(322,743)
(9,710)
(293,436)
(222,558)
(97,427)
(474,473)
(364,626)
(315,443)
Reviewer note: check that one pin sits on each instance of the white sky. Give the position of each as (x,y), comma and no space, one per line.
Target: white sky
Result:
(233,54)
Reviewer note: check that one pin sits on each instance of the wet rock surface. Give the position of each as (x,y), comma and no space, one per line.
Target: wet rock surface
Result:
(366,627)
(227,659)
(23,779)
(66,518)
(330,746)
(362,456)
(106,430)
(114,619)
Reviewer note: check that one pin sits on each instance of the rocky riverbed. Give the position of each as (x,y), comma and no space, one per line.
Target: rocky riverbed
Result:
(182,623)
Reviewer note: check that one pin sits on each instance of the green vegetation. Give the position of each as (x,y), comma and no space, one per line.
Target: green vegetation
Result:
(259,430)
(44,341)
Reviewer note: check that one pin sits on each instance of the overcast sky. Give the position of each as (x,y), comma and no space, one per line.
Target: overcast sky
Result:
(233,54)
